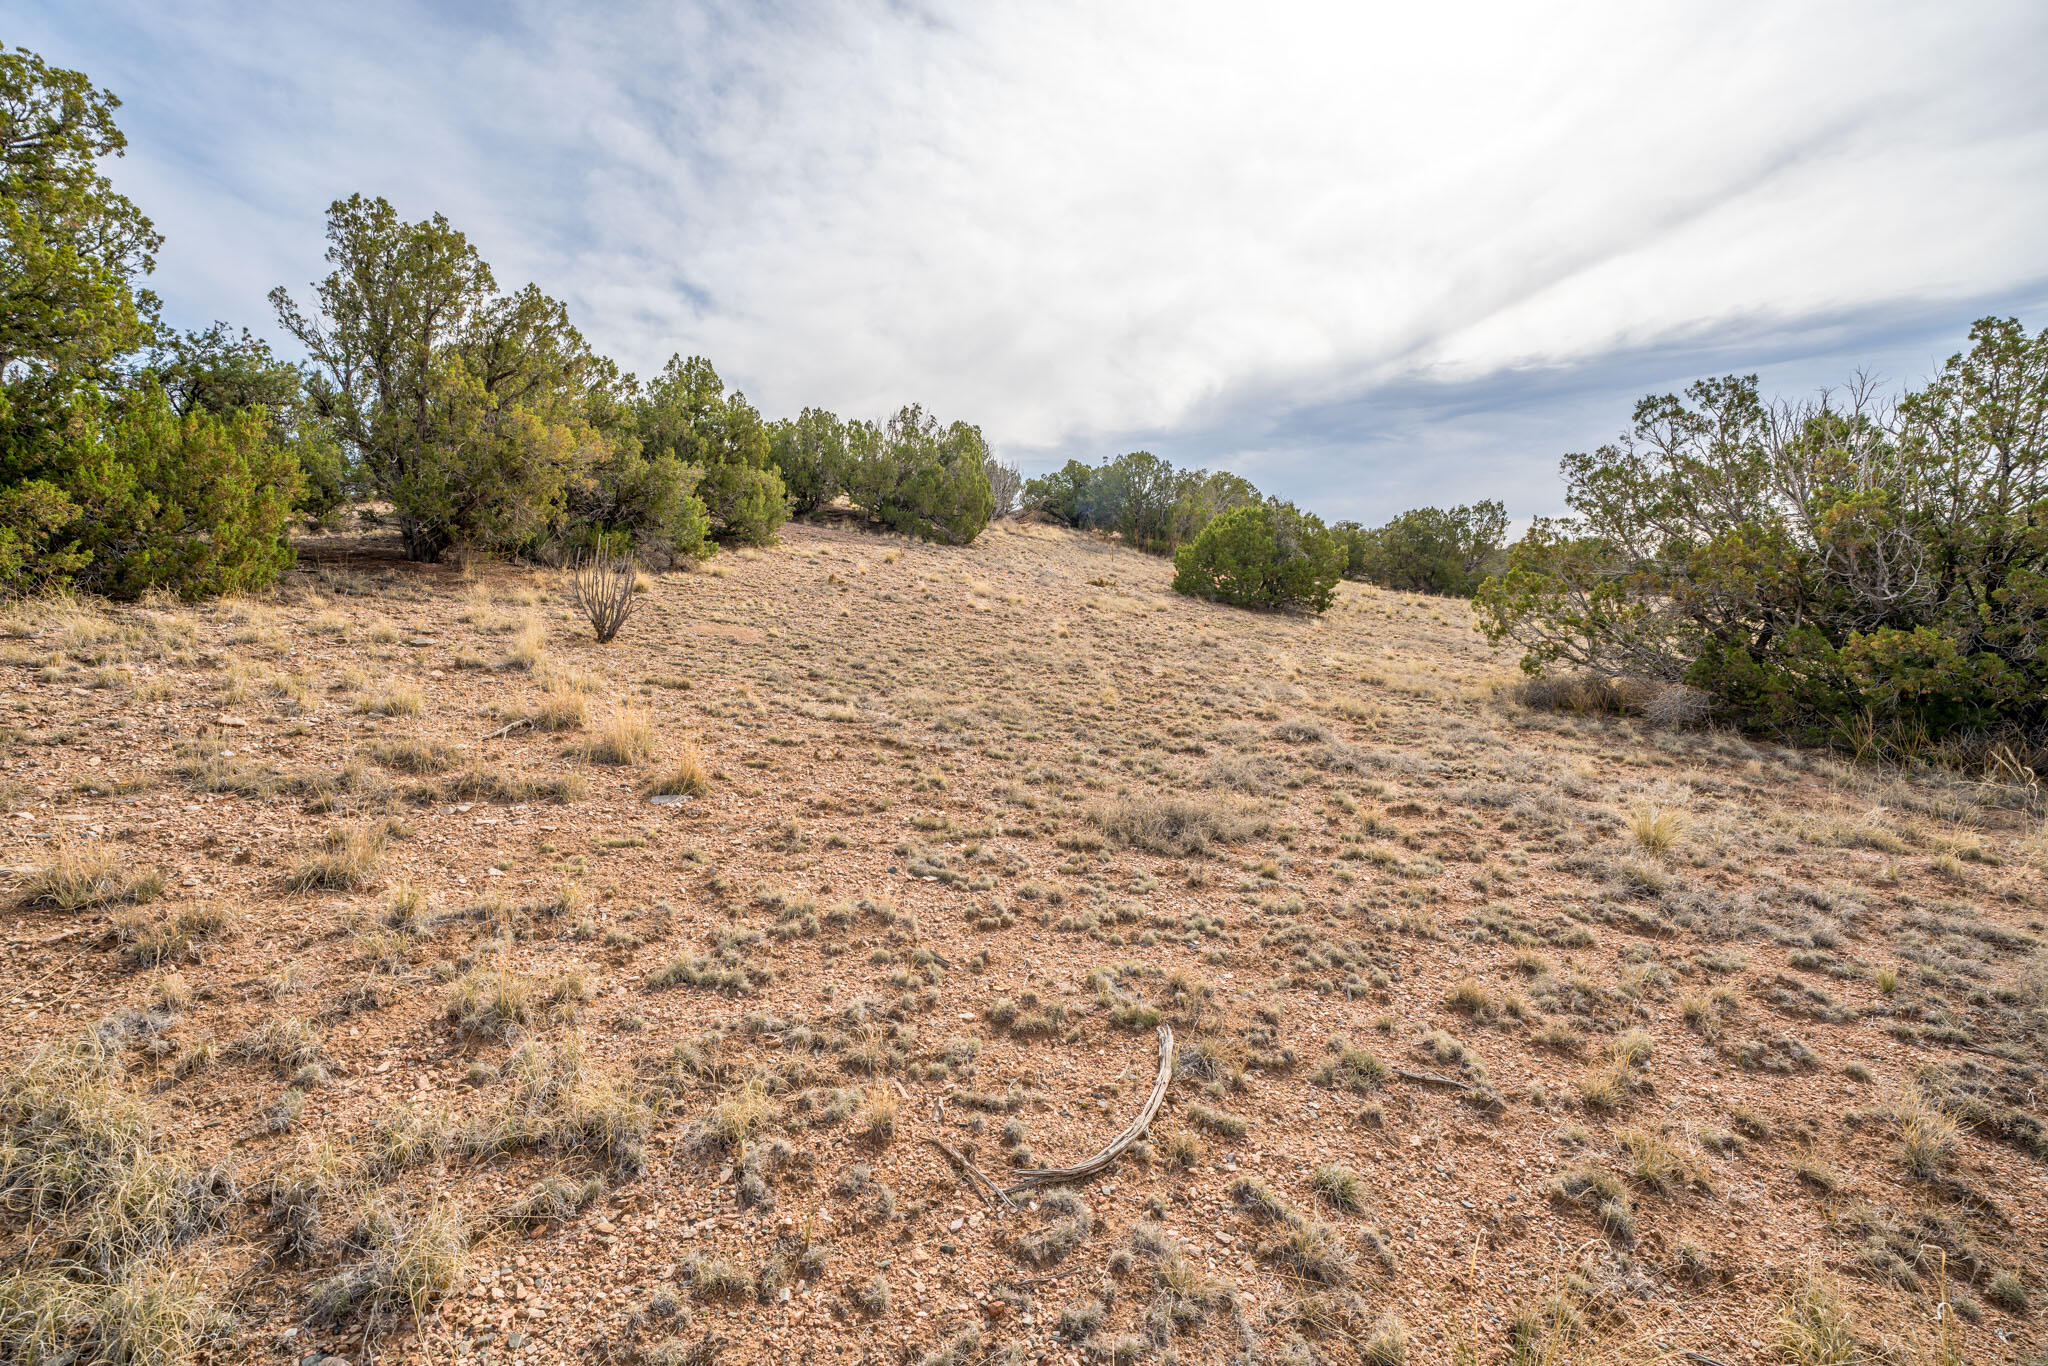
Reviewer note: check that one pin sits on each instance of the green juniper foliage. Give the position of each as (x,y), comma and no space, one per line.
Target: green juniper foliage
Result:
(1428,550)
(1847,568)
(1142,498)
(108,479)
(1266,555)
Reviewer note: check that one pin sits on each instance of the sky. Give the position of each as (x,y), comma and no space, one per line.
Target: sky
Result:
(1370,257)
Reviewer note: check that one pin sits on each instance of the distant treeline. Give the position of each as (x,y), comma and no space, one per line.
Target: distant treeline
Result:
(134,458)
(1159,508)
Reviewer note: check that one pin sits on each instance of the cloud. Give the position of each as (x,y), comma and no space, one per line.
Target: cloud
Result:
(1363,254)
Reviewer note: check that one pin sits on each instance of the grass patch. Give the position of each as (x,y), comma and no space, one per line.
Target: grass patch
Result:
(348,862)
(403,699)
(625,738)
(1177,825)
(88,875)
(683,776)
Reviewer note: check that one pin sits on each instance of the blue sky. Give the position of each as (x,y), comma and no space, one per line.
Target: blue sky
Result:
(1370,257)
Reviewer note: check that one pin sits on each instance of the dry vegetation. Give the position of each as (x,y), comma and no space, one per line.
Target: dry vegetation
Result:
(396,972)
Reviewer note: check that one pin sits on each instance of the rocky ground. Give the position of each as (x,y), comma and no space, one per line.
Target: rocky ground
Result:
(396,973)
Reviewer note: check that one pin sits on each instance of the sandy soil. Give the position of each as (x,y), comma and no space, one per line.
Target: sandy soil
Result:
(1504,967)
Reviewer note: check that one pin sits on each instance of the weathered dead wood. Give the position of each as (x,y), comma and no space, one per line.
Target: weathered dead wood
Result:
(1047,1176)
(1432,1079)
(979,1179)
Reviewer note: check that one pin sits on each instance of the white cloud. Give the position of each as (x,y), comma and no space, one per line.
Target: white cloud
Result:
(1072,223)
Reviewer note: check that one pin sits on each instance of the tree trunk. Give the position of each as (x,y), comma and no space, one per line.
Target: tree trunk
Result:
(424,544)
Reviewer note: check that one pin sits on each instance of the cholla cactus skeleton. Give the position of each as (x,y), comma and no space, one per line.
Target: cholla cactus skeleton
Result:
(602,586)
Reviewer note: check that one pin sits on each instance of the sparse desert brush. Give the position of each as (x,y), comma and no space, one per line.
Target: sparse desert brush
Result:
(1340,1188)
(624,737)
(1177,825)
(85,875)
(402,699)
(741,1113)
(1656,828)
(417,757)
(561,707)
(408,1267)
(1929,1141)
(349,861)
(683,776)
(602,586)
(1814,1328)
(875,1121)
(529,647)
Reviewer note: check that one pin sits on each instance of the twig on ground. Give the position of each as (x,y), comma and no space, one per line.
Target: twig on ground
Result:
(974,1174)
(1432,1079)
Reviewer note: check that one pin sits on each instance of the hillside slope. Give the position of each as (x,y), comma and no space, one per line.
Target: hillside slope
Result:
(1500,1031)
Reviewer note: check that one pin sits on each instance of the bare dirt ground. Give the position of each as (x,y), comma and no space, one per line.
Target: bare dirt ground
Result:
(1503,1034)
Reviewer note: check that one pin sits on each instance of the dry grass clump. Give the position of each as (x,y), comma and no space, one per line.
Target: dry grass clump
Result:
(409,1266)
(560,1105)
(1584,694)
(1814,1328)
(529,647)
(1177,825)
(875,1121)
(1340,1188)
(349,861)
(87,875)
(561,707)
(1607,1084)
(418,757)
(1603,1191)
(1308,1248)
(554,1200)
(84,1171)
(1387,1345)
(149,942)
(403,699)
(1929,1141)
(1659,1163)
(625,737)
(154,1311)
(740,1114)
(492,1003)
(1655,828)
(83,1163)
(1071,1221)
(683,776)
